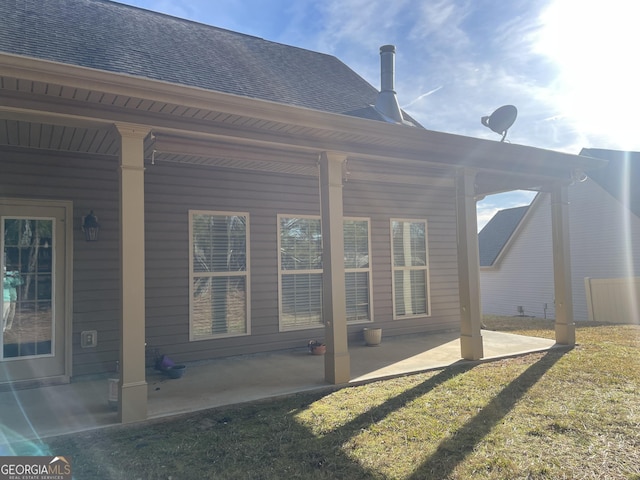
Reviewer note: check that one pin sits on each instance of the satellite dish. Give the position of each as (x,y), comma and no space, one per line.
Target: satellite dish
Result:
(501,120)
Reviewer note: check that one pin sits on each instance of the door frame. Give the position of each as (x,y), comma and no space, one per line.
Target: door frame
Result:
(67,282)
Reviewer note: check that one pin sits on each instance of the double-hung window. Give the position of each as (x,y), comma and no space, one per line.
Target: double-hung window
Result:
(410,268)
(357,268)
(219,273)
(300,271)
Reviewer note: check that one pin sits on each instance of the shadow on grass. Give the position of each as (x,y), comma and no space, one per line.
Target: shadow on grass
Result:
(396,403)
(453,450)
(324,457)
(352,469)
(265,441)
(261,441)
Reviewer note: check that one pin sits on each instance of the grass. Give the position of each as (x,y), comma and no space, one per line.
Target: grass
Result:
(571,414)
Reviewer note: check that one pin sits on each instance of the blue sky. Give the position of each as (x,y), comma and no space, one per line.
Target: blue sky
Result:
(567,65)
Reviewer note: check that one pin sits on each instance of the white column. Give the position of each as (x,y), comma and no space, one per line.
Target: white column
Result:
(336,360)
(132,405)
(468,268)
(565,326)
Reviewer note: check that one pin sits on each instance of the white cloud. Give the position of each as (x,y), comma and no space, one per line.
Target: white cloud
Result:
(439,21)
(353,25)
(420,97)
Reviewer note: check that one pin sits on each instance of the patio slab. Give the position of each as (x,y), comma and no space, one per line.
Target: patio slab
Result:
(83,405)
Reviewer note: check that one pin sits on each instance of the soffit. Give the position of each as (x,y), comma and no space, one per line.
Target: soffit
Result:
(58,107)
(73,107)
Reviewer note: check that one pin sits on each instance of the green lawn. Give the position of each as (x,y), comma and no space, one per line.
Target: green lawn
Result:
(562,414)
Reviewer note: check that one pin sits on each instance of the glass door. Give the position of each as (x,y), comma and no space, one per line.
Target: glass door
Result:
(33,324)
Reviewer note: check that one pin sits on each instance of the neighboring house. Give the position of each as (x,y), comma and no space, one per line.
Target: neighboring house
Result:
(604,215)
(246,195)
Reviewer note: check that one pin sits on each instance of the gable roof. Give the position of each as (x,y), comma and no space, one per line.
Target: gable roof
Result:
(496,234)
(620,177)
(118,38)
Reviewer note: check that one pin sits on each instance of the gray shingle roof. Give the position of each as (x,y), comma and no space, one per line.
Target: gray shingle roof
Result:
(118,38)
(495,234)
(621,176)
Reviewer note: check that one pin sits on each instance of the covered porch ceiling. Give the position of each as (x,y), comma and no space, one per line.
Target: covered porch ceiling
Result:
(62,108)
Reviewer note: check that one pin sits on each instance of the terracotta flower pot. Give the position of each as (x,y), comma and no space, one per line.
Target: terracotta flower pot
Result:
(316,348)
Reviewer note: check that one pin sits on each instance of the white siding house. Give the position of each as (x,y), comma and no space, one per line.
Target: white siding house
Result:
(604,236)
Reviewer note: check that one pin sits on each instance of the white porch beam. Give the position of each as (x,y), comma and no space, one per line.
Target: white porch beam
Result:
(468,267)
(565,326)
(336,360)
(132,399)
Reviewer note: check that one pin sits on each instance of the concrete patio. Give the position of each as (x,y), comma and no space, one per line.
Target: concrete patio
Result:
(83,405)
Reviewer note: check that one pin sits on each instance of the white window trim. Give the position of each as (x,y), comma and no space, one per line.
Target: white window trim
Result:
(369,270)
(426,268)
(246,274)
(281,326)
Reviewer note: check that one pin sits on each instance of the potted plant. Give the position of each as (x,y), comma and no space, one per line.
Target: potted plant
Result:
(168,367)
(316,347)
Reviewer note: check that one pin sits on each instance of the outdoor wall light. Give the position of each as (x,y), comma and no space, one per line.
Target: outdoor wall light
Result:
(90,227)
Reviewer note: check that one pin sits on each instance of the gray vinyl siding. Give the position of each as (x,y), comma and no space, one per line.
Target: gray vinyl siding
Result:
(171,190)
(90,182)
(381,202)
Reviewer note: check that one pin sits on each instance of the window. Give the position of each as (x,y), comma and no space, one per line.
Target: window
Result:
(28,281)
(357,269)
(219,272)
(410,268)
(300,262)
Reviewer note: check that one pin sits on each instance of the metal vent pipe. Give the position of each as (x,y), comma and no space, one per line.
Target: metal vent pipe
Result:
(387,68)
(387,102)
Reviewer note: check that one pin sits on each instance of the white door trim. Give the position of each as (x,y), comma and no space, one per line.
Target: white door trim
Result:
(65,223)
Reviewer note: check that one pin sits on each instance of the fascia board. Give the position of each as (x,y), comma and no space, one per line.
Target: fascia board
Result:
(411,141)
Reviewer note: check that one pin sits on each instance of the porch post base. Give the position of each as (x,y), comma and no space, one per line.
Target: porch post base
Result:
(132,406)
(337,368)
(471,347)
(566,334)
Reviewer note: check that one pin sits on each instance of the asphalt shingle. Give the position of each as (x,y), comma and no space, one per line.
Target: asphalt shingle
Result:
(495,234)
(118,38)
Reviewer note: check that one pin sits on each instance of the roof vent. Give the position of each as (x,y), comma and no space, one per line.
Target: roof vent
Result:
(387,102)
